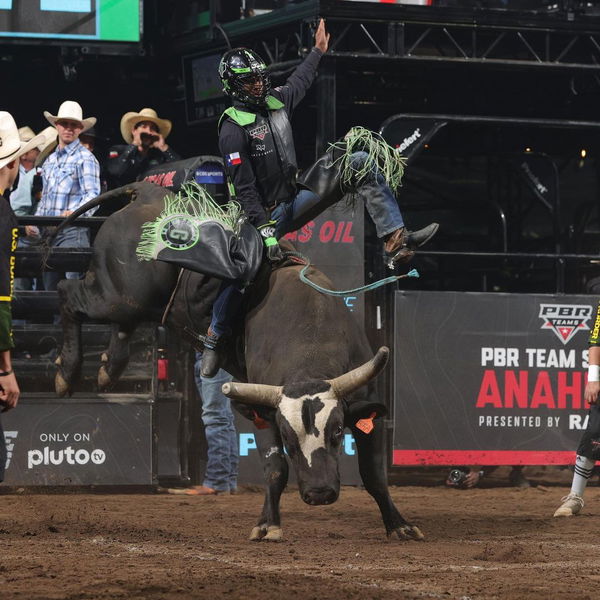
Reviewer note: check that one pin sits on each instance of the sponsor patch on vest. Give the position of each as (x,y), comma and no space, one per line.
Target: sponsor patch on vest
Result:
(259,132)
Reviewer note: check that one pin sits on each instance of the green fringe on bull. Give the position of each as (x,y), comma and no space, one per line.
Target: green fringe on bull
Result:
(382,158)
(192,201)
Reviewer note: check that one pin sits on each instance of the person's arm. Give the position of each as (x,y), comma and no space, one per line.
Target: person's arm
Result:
(592,388)
(169,155)
(234,149)
(120,161)
(88,175)
(9,388)
(301,79)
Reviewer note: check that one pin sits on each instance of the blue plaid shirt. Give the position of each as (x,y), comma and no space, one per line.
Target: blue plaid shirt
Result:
(71,177)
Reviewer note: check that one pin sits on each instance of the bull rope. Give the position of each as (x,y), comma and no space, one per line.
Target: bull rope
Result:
(359,290)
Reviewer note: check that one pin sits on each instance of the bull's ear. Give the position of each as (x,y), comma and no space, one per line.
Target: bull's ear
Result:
(261,416)
(363,410)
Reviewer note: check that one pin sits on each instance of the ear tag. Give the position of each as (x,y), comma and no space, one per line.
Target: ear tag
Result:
(259,422)
(366,425)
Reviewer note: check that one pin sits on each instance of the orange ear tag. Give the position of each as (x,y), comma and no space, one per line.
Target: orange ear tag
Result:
(366,425)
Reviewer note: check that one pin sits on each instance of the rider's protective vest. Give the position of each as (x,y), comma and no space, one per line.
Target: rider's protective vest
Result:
(271,149)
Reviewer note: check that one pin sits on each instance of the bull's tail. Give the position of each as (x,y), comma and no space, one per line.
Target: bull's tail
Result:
(129,191)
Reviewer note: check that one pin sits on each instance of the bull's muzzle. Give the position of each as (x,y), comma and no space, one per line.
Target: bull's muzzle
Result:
(319,496)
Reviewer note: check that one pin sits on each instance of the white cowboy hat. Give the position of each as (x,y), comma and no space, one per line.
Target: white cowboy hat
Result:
(128,120)
(11,147)
(26,133)
(50,134)
(72,111)
(48,145)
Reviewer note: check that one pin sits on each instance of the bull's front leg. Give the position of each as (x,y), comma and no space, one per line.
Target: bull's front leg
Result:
(70,358)
(372,463)
(275,470)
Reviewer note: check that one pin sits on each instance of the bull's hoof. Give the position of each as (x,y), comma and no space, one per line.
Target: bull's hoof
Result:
(104,380)
(408,532)
(272,533)
(61,386)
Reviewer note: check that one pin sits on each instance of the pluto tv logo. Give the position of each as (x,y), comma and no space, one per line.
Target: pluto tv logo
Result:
(68,455)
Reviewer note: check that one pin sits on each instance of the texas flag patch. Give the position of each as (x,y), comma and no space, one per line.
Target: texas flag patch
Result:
(234,159)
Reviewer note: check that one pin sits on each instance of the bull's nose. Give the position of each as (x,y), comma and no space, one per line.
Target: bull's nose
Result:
(317,496)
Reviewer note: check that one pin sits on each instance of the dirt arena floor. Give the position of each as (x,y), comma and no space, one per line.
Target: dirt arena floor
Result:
(491,542)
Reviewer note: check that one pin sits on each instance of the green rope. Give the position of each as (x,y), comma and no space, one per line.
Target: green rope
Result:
(192,201)
(359,290)
(381,158)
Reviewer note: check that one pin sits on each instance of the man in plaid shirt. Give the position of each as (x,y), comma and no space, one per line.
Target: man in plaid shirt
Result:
(71,177)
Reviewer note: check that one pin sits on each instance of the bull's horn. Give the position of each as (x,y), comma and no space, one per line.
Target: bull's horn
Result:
(253,393)
(348,382)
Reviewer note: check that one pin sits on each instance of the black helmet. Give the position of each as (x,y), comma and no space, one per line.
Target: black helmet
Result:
(237,68)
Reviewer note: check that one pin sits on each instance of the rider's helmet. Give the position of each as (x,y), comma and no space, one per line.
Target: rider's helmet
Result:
(244,76)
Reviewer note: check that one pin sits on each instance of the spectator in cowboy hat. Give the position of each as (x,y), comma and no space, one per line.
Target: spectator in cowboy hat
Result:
(11,148)
(144,133)
(22,197)
(28,190)
(71,177)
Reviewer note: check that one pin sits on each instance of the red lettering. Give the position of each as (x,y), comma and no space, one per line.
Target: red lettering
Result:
(348,237)
(489,392)
(573,390)
(168,179)
(515,391)
(327,231)
(292,235)
(340,230)
(542,393)
(306,232)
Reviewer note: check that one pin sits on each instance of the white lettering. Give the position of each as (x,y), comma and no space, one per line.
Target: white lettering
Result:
(500,357)
(46,456)
(34,458)
(577,422)
(544,358)
(407,141)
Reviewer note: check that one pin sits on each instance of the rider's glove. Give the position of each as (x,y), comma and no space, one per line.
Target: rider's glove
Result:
(267,231)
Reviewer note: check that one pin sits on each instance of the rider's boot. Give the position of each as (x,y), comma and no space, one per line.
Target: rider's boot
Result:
(211,360)
(401,244)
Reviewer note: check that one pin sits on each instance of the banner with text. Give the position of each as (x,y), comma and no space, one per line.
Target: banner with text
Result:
(489,379)
(80,441)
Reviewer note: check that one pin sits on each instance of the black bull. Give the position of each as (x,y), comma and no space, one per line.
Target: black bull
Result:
(303,353)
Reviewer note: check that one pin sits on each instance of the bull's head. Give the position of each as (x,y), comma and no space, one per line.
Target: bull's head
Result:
(311,417)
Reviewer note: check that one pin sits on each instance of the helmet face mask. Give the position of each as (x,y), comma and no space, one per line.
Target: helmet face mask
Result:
(244,76)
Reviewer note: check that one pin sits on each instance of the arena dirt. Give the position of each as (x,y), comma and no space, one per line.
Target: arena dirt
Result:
(492,542)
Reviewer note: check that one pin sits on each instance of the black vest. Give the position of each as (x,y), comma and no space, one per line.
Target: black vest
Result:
(8,245)
(271,149)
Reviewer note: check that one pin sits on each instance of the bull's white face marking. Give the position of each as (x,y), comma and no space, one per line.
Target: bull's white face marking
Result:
(291,410)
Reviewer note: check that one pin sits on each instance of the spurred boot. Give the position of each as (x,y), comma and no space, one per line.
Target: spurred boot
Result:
(401,244)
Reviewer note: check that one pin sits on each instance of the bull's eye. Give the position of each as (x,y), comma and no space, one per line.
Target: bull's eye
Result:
(339,431)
